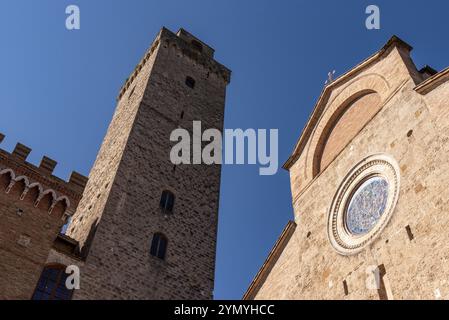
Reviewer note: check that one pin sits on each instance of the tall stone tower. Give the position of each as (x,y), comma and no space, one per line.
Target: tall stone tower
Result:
(146,227)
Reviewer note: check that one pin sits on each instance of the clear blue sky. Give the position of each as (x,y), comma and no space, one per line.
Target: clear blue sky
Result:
(58,87)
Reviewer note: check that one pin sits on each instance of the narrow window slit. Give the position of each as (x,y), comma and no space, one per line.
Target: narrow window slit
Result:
(167,202)
(382,289)
(190,82)
(159,246)
(409,233)
(132,92)
(345,287)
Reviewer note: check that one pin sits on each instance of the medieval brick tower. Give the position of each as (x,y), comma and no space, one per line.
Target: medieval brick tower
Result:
(148,228)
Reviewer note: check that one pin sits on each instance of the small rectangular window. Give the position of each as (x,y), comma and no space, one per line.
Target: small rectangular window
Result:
(345,287)
(132,92)
(154,245)
(158,246)
(162,249)
(190,82)
(409,233)
(167,201)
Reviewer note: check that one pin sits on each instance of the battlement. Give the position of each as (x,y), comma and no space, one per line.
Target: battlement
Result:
(16,161)
(195,43)
(189,46)
(34,205)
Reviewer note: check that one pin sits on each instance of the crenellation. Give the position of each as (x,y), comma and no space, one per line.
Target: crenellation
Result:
(34,206)
(21,151)
(195,43)
(78,180)
(47,165)
(16,160)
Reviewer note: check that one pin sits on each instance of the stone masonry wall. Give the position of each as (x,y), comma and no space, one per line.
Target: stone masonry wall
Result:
(133,168)
(414,129)
(34,206)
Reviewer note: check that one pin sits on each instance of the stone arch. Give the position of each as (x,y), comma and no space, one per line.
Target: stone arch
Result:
(59,206)
(372,86)
(6,176)
(65,200)
(33,193)
(18,187)
(46,200)
(36,185)
(346,122)
(10,171)
(24,178)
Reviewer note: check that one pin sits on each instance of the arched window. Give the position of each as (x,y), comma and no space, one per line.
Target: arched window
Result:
(159,246)
(167,201)
(190,82)
(51,285)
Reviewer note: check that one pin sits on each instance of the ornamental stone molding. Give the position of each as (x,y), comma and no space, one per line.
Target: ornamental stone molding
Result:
(29,185)
(363,204)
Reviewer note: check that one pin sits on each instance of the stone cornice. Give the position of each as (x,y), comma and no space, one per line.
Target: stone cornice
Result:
(433,82)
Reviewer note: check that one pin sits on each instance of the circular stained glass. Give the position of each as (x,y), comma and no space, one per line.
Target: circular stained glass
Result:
(364,203)
(367,206)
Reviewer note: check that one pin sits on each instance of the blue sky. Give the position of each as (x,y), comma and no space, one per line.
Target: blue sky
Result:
(58,87)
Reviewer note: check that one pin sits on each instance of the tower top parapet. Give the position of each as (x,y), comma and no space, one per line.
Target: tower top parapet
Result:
(189,46)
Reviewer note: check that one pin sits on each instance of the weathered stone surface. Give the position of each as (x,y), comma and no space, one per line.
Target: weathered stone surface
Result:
(413,128)
(132,169)
(119,211)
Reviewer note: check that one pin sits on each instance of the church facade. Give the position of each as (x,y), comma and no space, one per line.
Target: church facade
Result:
(141,227)
(369,177)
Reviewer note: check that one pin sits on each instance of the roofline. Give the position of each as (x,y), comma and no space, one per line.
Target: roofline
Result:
(181,29)
(264,271)
(433,82)
(393,41)
(428,69)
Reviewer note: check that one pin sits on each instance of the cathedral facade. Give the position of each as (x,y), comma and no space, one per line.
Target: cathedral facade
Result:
(369,177)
